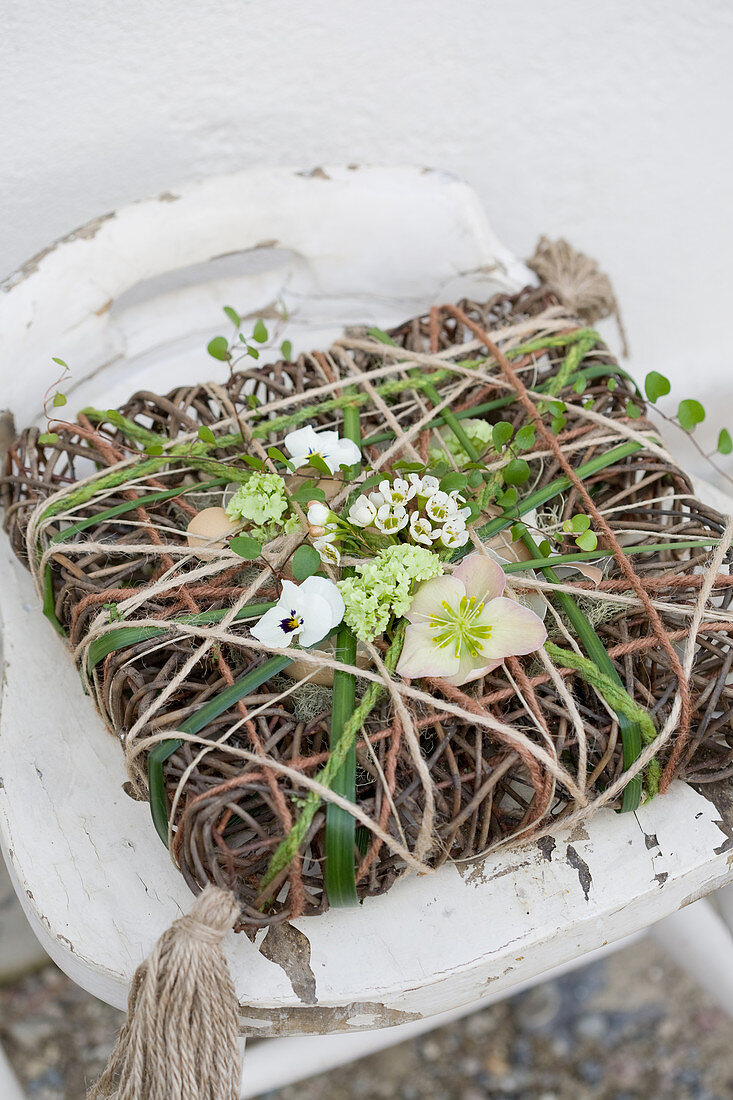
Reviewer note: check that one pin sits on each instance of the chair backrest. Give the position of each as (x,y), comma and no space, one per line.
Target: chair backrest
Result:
(133,296)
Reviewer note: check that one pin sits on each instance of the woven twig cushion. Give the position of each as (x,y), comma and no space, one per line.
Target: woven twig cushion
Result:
(443,772)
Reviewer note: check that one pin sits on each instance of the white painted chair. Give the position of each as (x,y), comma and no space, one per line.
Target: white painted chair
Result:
(129,301)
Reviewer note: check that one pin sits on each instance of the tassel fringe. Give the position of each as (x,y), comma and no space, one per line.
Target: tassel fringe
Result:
(179,1041)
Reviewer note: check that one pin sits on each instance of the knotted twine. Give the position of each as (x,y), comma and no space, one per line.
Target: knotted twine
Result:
(578,282)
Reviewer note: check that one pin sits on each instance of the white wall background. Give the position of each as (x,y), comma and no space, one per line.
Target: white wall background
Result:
(607,121)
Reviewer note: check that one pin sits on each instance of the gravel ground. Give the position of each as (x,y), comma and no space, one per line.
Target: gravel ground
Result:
(630,1027)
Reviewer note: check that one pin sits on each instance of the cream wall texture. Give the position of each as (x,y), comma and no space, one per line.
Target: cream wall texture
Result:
(607,121)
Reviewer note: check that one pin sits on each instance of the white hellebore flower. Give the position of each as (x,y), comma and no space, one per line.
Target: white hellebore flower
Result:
(318,513)
(421,530)
(461,626)
(305,442)
(306,611)
(391,518)
(362,512)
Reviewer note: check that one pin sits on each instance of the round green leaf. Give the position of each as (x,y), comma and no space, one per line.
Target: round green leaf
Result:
(233,315)
(508,498)
(656,385)
(306,562)
(580,523)
(558,423)
(58,399)
(587,541)
(690,413)
(260,332)
(154,449)
(516,472)
(246,547)
(725,443)
(633,410)
(501,434)
(524,439)
(454,480)
(48,439)
(218,348)
(286,349)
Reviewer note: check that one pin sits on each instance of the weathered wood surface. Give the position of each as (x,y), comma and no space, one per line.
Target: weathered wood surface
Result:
(93,878)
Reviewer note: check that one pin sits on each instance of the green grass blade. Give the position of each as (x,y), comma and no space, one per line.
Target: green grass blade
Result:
(339,869)
(594,555)
(205,714)
(126,636)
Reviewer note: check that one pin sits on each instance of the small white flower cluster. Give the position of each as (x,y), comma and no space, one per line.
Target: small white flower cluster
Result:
(418,505)
(323,532)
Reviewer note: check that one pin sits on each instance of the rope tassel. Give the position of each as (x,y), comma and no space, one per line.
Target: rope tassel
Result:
(179,1041)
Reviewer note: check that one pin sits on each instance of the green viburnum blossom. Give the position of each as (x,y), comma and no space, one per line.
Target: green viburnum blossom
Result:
(383,587)
(478,431)
(261,500)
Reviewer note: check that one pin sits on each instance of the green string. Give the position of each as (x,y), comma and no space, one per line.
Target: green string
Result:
(617,698)
(287,849)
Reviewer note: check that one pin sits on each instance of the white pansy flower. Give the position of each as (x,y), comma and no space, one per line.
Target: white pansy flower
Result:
(318,513)
(454,534)
(303,443)
(421,530)
(391,518)
(306,611)
(399,492)
(425,486)
(362,512)
(328,550)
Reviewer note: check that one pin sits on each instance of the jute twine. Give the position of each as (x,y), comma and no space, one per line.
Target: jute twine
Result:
(179,1041)
(450,772)
(578,282)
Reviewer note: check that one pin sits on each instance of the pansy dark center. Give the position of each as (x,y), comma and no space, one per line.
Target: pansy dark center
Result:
(291,623)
